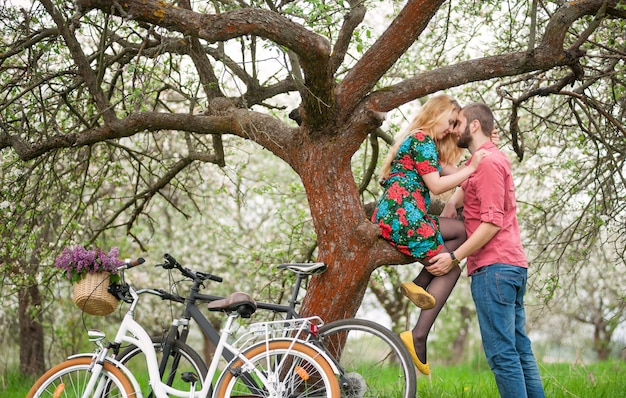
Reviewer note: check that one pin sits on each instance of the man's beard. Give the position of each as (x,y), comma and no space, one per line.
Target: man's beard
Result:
(465,139)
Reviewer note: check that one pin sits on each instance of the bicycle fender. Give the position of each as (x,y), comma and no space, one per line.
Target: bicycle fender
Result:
(331,361)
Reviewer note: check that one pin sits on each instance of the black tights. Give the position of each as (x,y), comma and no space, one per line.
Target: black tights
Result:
(453,233)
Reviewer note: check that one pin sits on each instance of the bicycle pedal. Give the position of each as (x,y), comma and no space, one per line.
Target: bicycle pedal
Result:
(189,377)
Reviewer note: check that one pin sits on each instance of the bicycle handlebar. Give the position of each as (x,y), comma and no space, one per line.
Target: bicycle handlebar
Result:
(121,289)
(130,263)
(170,262)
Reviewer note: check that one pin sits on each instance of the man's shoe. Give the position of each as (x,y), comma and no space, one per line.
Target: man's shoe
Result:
(418,295)
(407,339)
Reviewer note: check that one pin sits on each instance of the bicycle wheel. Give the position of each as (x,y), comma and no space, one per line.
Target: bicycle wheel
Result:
(69,379)
(374,361)
(182,359)
(292,369)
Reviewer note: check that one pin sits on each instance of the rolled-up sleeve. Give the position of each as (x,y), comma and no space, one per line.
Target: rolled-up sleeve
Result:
(490,184)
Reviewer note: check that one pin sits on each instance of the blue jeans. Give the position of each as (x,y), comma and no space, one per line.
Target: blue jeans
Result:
(498,292)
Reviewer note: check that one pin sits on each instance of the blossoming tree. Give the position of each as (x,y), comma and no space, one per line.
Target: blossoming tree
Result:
(93,82)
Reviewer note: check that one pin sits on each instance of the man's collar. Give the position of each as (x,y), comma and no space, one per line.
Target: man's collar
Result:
(487,145)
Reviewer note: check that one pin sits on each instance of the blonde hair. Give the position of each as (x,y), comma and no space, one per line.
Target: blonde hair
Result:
(429,114)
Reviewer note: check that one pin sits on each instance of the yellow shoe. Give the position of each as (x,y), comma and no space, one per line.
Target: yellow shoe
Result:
(418,295)
(407,339)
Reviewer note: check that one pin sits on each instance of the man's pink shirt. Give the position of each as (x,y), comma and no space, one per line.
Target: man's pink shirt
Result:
(489,196)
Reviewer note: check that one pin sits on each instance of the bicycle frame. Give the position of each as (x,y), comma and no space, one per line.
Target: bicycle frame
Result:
(192,311)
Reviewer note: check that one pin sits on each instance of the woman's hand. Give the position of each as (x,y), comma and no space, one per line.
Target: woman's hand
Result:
(478,157)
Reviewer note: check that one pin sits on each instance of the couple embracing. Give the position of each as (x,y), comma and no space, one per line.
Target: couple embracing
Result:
(422,161)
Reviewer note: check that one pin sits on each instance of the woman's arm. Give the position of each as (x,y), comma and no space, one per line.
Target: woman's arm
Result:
(438,184)
(447,169)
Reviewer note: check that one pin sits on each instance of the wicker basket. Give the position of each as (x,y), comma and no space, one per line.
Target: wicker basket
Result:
(91,294)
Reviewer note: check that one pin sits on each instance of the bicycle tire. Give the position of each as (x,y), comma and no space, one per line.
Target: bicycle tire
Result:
(187,359)
(373,359)
(70,378)
(308,364)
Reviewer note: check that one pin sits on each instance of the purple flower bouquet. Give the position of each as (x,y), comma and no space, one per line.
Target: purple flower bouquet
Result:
(77,262)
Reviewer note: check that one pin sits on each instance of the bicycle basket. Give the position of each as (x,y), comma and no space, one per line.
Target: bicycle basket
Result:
(91,294)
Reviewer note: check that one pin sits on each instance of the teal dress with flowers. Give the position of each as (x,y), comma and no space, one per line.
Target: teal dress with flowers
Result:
(401,211)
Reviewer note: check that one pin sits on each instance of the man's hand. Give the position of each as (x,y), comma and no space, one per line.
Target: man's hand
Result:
(440,264)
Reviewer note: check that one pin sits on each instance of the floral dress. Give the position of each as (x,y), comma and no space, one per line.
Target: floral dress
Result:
(401,211)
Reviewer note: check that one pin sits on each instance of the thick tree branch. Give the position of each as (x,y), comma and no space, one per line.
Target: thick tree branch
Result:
(266,130)
(549,54)
(133,124)
(381,56)
(350,22)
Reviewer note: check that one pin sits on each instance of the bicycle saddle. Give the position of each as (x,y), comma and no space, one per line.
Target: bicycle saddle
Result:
(305,268)
(240,302)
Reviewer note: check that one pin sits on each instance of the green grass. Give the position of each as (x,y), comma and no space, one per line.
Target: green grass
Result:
(15,385)
(597,380)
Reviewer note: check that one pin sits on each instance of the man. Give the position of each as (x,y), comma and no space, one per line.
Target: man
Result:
(496,260)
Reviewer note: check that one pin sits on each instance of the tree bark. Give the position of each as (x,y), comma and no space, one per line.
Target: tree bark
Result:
(31,332)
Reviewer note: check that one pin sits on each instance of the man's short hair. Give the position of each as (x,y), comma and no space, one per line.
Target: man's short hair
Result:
(482,113)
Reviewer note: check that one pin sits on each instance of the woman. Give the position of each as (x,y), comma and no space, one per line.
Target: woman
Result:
(411,171)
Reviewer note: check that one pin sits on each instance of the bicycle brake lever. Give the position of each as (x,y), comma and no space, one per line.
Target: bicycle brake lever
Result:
(120,291)
(170,262)
(165,265)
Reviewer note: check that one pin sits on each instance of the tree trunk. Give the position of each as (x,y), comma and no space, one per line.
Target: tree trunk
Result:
(602,339)
(30,316)
(31,332)
(342,236)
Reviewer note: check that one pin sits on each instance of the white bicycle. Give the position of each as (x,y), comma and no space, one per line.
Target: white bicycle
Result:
(265,363)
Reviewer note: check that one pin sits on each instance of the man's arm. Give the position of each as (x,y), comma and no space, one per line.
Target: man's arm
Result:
(441,264)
